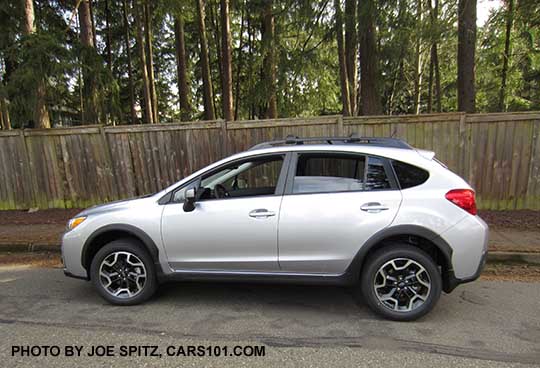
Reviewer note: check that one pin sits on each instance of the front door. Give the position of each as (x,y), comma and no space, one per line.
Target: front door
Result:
(234,224)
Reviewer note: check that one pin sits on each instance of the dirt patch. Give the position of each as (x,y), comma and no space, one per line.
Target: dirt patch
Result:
(36,233)
(51,216)
(511,272)
(49,260)
(519,219)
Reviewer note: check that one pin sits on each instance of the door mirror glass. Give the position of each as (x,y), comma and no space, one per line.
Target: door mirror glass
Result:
(190,194)
(189,200)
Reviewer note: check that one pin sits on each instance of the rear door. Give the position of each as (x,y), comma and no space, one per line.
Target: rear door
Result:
(333,203)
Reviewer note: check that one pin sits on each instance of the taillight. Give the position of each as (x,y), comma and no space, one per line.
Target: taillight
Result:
(463,198)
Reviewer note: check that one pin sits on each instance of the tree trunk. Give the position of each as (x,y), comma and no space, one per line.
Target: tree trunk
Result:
(343,78)
(351,52)
(150,59)
(251,36)
(466,55)
(129,63)
(29,22)
(92,22)
(506,60)
(208,94)
(40,113)
(418,60)
(181,68)
(4,114)
(369,94)
(108,39)
(148,113)
(91,112)
(237,89)
(226,62)
(437,78)
(216,35)
(434,56)
(269,59)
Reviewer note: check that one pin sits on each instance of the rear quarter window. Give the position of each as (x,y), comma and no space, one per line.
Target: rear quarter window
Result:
(408,175)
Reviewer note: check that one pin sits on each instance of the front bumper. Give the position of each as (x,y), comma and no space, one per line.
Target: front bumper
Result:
(72,243)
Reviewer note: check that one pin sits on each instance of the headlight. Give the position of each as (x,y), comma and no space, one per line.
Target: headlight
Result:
(74,222)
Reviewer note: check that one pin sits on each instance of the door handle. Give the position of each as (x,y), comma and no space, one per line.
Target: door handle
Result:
(261,213)
(373,207)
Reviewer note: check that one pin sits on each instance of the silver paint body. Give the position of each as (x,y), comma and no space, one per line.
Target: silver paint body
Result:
(302,234)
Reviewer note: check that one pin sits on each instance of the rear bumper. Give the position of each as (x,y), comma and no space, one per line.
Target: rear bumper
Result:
(450,281)
(69,274)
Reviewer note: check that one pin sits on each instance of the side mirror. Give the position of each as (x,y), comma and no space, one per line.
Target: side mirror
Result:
(189,201)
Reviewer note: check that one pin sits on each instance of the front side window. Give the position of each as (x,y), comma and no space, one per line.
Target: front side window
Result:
(254,177)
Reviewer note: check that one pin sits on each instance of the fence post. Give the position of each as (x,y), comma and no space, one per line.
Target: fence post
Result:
(463,147)
(224,139)
(29,171)
(110,167)
(340,132)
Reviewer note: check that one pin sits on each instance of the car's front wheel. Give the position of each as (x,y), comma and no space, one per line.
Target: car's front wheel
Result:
(123,272)
(401,282)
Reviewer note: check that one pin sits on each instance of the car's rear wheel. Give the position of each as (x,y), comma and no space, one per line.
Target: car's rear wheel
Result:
(123,272)
(401,282)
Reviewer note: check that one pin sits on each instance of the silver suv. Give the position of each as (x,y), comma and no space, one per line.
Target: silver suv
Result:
(374,213)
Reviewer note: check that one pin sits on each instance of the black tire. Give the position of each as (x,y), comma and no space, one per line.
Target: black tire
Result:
(134,247)
(386,254)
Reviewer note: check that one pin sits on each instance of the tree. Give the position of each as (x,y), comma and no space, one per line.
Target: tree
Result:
(181,64)
(466,55)
(434,69)
(129,62)
(208,94)
(269,59)
(91,108)
(147,11)
(369,93)
(418,59)
(343,76)
(148,109)
(41,112)
(506,57)
(351,52)
(226,62)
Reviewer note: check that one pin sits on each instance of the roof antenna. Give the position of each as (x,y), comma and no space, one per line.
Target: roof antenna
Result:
(353,137)
(291,139)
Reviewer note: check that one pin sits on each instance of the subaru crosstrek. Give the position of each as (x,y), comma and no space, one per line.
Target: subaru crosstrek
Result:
(374,213)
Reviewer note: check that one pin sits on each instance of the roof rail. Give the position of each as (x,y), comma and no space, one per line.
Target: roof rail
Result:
(352,139)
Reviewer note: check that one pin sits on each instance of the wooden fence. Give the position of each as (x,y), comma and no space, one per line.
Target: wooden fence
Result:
(499,154)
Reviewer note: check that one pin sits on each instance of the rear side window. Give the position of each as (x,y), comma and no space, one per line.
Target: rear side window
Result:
(408,175)
(376,178)
(322,173)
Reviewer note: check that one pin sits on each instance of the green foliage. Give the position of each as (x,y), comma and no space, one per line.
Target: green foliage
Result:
(305,49)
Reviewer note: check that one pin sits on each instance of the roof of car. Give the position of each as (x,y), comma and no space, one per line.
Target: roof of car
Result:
(379,146)
(354,139)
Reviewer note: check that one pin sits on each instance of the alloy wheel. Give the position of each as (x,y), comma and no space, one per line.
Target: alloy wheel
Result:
(122,274)
(402,285)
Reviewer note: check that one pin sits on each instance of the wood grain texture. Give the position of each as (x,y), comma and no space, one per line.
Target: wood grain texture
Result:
(498,154)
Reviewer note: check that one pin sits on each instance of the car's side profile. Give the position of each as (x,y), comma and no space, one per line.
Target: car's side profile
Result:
(374,213)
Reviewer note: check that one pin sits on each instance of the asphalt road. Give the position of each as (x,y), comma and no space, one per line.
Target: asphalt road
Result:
(483,324)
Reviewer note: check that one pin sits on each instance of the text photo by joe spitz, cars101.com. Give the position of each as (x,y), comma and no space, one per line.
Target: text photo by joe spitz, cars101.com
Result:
(261,183)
